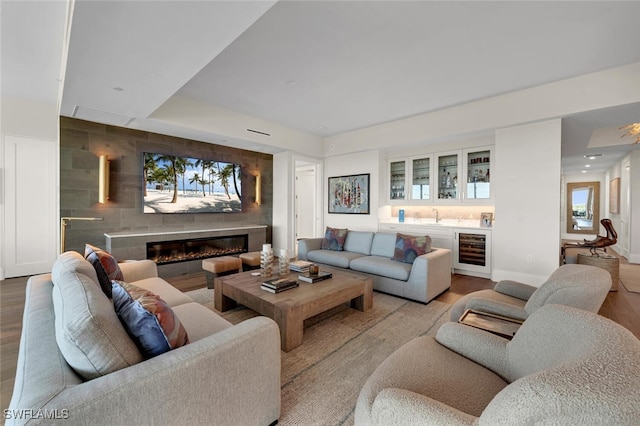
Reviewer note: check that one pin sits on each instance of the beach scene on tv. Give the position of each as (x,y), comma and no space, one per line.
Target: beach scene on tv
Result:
(190,185)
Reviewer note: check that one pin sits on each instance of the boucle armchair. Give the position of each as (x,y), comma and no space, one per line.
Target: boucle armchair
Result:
(581,286)
(564,366)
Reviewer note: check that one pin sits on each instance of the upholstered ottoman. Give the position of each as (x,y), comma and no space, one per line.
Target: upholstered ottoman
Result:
(250,260)
(218,266)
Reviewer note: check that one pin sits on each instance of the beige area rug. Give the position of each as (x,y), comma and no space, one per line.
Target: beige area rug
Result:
(322,378)
(630,277)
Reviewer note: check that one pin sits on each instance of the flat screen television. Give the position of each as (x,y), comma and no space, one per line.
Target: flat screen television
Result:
(174,184)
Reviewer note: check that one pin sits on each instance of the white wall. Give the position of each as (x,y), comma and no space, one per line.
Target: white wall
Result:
(526,232)
(353,164)
(283,235)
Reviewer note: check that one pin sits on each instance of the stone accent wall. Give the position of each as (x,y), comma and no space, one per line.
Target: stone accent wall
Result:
(82,142)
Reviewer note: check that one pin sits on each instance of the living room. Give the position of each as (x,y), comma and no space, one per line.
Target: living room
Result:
(528,124)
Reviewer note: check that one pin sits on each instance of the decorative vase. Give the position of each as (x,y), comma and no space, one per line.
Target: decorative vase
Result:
(283,262)
(266,260)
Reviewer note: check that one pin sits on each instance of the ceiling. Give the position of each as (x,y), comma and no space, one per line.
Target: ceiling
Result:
(329,67)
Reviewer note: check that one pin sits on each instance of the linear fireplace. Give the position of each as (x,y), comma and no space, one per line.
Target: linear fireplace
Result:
(166,252)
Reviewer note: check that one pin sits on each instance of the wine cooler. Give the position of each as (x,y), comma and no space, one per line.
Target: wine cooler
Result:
(472,251)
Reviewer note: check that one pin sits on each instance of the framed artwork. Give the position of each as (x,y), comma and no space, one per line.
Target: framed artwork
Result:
(486,220)
(614,196)
(349,194)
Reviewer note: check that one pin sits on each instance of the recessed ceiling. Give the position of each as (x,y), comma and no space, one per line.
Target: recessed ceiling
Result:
(326,67)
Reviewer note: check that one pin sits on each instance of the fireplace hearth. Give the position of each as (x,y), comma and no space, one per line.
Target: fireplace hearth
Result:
(166,252)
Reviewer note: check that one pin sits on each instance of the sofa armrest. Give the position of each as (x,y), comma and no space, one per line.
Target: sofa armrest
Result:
(229,378)
(496,307)
(394,406)
(308,244)
(515,289)
(430,275)
(482,347)
(137,270)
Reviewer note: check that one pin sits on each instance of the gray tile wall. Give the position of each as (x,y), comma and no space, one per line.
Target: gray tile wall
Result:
(81,142)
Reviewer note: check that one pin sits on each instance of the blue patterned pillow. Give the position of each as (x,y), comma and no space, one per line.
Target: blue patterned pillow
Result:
(334,239)
(408,247)
(148,319)
(106,267)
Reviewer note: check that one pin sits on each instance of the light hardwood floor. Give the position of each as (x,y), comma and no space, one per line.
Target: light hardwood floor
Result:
(621,306)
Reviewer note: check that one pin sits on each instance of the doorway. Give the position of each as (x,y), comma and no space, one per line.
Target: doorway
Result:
(308,200)
(625,209)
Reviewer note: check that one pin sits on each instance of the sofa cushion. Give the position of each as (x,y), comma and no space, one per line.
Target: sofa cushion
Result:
(408,247)
(88,332)
(383,244)
(166,291)
(340,259)
(334,239)
(149,320)
(199,321)
(106,267)
(382,266)
(359,242)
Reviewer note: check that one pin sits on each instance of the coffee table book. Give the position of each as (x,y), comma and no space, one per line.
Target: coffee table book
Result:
(322,275)
(300,266)
(279,289)
(278,282)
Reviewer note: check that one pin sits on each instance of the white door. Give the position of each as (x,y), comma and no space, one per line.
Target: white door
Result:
(625,209)
(29,206)
(306,200)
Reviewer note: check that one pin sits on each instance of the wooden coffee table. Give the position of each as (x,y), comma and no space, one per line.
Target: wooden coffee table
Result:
(290,308)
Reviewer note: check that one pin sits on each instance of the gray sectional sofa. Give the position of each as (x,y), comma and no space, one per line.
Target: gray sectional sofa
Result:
(77,364)
(371,253)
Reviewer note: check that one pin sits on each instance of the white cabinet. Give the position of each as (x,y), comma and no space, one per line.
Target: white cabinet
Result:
(420,178)
(450,177)
(472,252)
(448,173)
(470,247)
(397,180)
(477,173)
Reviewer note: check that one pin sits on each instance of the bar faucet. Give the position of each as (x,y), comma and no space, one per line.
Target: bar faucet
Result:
(437,218)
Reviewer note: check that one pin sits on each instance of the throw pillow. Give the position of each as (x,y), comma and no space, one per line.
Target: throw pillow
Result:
(106,267)
(408,247)
(148,319)
(334,239)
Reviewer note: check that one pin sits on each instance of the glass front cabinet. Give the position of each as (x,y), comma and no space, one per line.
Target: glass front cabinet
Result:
(449,177)
(398,180)
(421,178)
(477,173)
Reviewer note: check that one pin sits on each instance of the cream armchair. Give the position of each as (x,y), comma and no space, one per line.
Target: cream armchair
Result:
(564,366)
(581,286)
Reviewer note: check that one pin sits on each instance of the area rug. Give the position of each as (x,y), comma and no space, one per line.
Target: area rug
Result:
(322,378)
(630,277)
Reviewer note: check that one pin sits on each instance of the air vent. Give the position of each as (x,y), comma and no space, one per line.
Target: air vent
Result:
(258,132)
(98,116)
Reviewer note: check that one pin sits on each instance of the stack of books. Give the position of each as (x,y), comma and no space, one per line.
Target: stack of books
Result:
(279,285)
(322,275)
(300,266)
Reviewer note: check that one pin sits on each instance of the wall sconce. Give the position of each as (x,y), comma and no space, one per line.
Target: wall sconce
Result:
(258,189)
(63,228)
(103,182)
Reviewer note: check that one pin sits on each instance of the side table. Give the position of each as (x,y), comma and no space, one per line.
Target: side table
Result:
(607,262)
